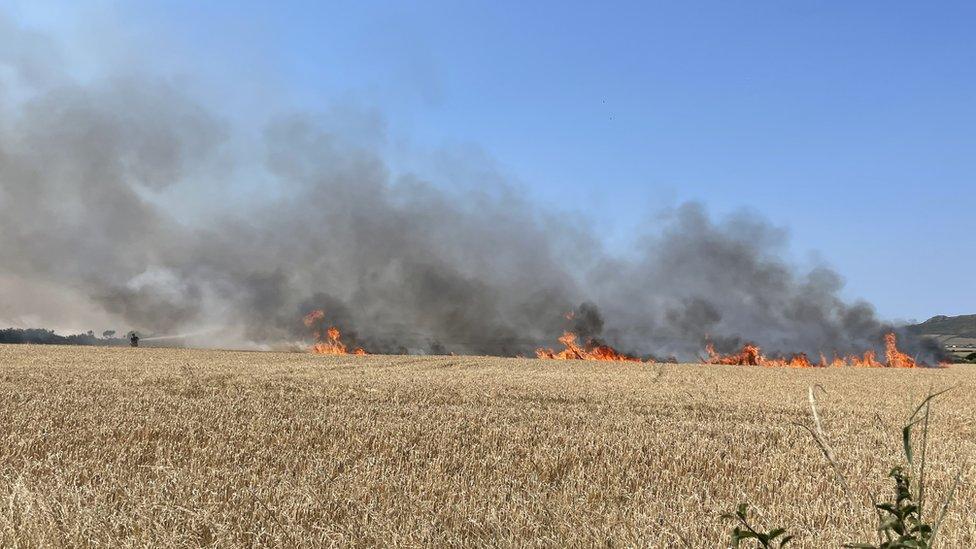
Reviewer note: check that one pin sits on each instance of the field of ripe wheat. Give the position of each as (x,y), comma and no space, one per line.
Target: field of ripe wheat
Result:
(182,448)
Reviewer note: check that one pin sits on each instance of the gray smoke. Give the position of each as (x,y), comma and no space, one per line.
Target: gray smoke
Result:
(727,282)
(96,179)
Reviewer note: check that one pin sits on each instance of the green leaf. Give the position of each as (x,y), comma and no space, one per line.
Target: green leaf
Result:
(906,440)
(738,534)
(742,510)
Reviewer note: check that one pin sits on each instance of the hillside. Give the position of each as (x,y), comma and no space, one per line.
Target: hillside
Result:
(121,447)
(962,326)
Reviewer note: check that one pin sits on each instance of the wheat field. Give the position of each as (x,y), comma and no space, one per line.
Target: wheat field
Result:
(113,447)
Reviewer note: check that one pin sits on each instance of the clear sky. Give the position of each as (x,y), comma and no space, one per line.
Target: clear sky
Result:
(852,124)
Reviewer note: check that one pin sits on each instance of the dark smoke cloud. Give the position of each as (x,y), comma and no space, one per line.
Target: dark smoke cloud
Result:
(726,281)
(95,179)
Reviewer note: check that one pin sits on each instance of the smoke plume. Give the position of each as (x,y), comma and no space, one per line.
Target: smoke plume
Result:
(97,177)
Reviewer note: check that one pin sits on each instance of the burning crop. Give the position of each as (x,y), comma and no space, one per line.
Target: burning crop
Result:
(593,350)
(896,358)
(751,355)
(328,341)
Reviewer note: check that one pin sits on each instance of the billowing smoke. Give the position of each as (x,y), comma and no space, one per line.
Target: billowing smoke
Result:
(727,282)
(97,179)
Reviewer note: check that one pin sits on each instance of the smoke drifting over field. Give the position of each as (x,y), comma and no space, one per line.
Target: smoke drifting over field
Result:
(92,175)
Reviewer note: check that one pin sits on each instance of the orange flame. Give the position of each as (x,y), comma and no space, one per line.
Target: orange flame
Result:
(329,341)
(896,358)
(592,351)
(751,355)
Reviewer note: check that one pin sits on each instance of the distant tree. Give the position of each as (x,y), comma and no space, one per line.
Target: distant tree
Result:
(38,336)
(971,357)
(91,333)
(108,334)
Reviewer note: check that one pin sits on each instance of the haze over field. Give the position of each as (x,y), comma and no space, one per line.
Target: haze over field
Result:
(104,222)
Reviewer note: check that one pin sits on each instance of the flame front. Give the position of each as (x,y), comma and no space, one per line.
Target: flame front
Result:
(328,341)
(751,355)
(896,358)
(592,351)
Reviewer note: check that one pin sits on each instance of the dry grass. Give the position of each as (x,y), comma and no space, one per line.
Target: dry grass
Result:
(153,447)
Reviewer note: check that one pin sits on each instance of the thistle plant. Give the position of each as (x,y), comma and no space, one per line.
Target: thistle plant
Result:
(903,523)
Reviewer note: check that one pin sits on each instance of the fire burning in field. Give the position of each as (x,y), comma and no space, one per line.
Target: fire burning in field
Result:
(327,341)
(591,351)
(751,355)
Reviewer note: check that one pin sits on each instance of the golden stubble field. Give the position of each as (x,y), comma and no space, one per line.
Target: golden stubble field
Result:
(186,448)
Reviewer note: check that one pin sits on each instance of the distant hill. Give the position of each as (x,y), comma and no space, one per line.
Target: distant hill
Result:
(957,334)
(960,326)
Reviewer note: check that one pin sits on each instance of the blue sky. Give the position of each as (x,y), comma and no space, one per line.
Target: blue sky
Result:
(849,123)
